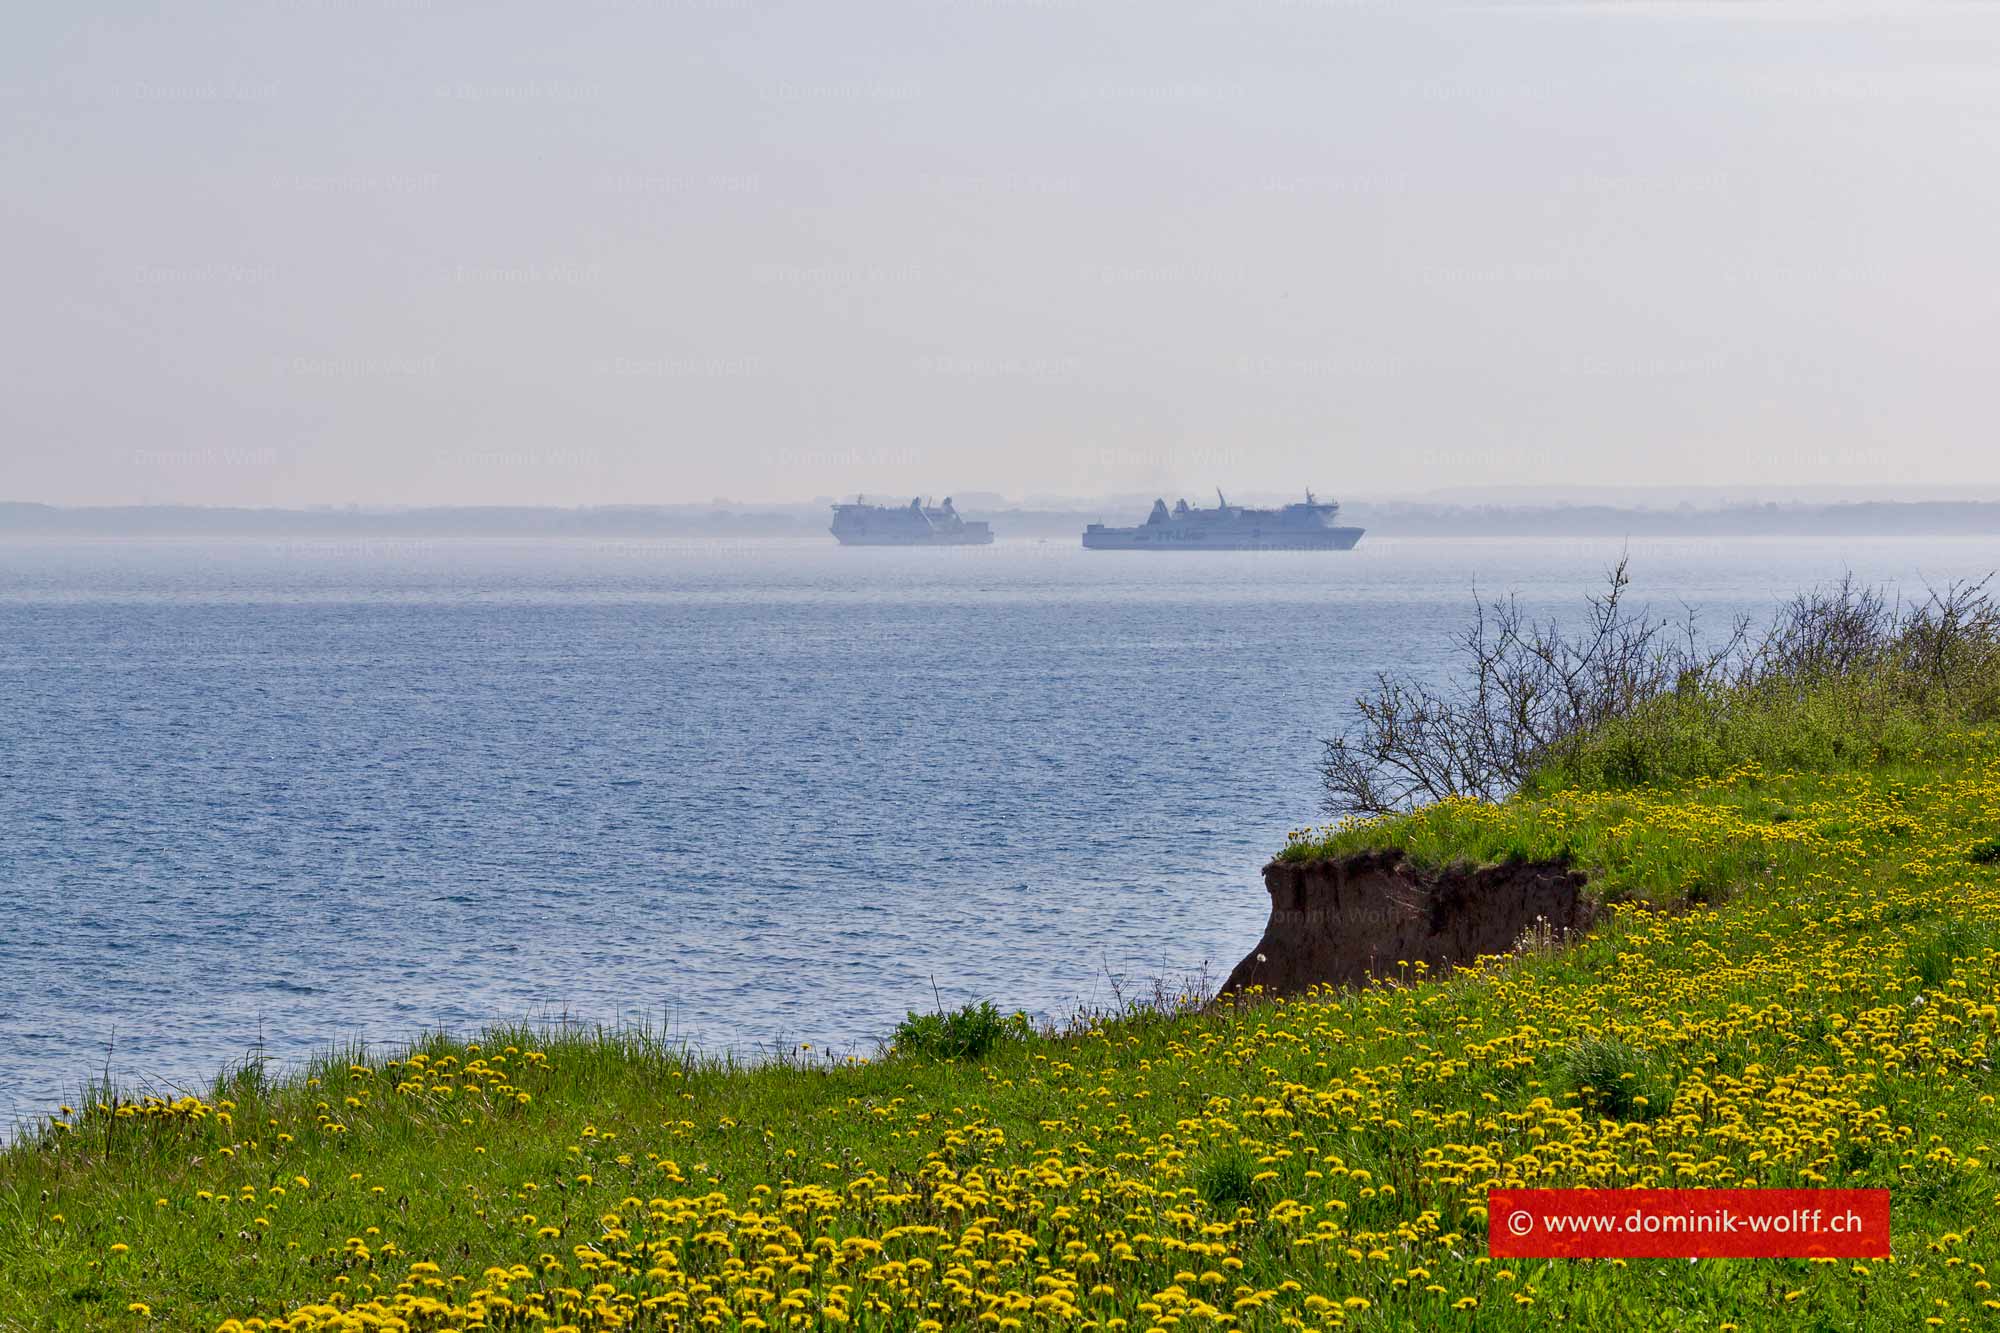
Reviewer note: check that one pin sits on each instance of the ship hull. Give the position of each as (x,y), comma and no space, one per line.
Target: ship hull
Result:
(891,539)
(1164,537)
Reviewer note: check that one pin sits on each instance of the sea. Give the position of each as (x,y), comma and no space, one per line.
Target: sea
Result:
(259,798)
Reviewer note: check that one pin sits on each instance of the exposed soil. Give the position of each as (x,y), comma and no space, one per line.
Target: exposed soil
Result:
(1340,921)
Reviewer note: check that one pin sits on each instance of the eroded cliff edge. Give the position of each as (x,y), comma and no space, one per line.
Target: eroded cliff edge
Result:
(1342,920)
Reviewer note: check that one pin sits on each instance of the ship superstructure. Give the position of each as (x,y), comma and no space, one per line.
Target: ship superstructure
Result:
(914,524)
(1309,526)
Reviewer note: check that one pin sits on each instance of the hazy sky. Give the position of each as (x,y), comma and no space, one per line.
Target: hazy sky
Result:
(392,251)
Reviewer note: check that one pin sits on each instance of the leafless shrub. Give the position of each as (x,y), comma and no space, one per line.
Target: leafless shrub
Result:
(1524,689)
(1824,632)
(1949,647)
(1527,694)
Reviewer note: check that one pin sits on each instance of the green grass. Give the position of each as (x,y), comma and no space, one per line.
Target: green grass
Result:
(1668,846)
(1828,1021)
(1861,720)
(1612,1079)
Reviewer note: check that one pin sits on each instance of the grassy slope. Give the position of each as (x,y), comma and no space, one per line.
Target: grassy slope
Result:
(1319,1162)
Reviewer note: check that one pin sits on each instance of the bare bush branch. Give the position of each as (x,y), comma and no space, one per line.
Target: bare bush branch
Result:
(1527,694)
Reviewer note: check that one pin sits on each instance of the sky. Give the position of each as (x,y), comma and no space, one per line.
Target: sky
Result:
(647,251)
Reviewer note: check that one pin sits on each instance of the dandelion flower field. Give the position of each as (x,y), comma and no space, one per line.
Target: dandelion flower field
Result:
(1797,986)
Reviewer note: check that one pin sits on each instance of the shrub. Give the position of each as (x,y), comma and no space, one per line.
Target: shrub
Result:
(1227,1179)
(963,1034)
(1610,1078)
(1840,678)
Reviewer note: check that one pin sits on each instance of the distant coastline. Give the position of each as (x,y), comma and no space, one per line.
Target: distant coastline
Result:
(1908,518)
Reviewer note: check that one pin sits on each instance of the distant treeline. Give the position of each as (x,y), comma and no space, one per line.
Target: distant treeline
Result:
(1926,518)
(444,521)
(1853,519)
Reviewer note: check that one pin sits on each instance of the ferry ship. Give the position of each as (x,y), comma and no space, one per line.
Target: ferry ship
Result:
(1227,527)
(914,524)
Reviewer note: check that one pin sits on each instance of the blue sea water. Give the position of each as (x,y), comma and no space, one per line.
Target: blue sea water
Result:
(279,795)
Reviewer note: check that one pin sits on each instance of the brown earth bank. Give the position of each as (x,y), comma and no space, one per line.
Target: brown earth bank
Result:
(1345,919)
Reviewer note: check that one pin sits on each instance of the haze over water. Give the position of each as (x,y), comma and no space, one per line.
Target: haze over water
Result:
(763,792)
